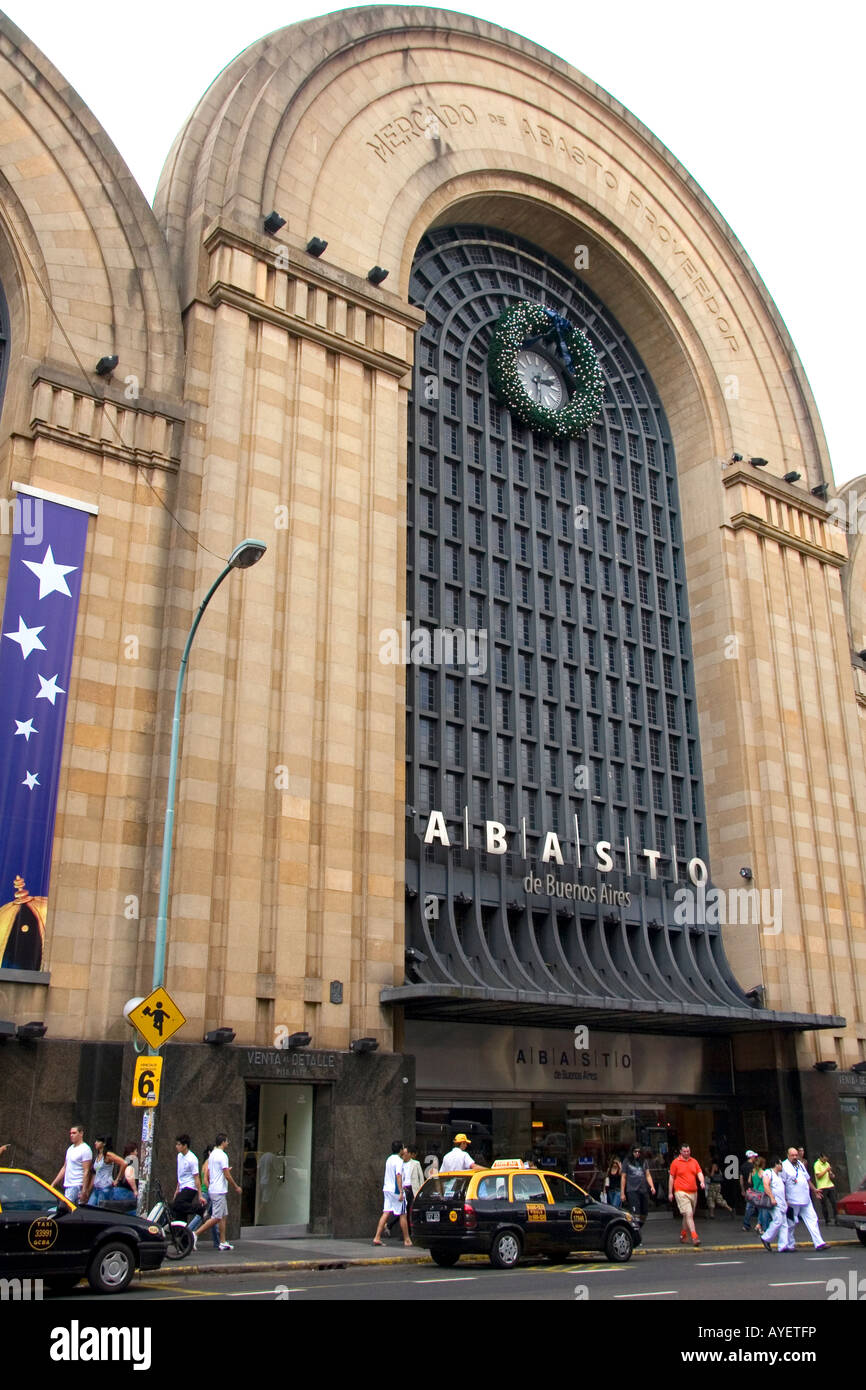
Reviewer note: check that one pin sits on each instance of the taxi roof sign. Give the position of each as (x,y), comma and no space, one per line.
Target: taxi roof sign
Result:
(157,1017)
(509,1163)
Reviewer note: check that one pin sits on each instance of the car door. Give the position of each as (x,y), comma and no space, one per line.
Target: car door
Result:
(574,1220)
(39,1233)
(531,1208)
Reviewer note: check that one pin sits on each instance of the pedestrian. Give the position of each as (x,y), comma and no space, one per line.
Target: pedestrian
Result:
(636,1184)
(684,1178)
(392,1189)
(197,1221)
(774,1187)
(825,1181)
(126,1184)
(219,1176)
(714,1190)
(103,1171)
(413,1177)
(3,1148)
(187,1198)
(75,1173)
(612,1193)
(759,1194)
(746,1191)
(799,1199)
(458,1160)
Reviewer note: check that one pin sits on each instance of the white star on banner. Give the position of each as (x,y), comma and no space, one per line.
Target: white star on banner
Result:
(49,689)
(50,574)
(27,637)
(25,727)
(31,781)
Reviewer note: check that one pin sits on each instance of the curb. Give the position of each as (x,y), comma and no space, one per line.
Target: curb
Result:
(179,1268)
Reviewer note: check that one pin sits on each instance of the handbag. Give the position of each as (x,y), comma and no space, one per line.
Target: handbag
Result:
(762,1201)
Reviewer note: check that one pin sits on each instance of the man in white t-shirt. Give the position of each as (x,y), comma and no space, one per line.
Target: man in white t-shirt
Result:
(392,1189)
(76,1173)
(458,1158)
(187,1194)
(219,1175)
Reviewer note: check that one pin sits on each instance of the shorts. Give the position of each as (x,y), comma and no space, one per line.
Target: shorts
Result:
(73,1194)
(686,1202)
(219,1203)
(394,1204)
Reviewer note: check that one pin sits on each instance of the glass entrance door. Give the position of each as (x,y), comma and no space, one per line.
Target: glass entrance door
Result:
(279,1138)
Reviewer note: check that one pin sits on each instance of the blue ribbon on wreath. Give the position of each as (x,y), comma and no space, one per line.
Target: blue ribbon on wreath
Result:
(558,331)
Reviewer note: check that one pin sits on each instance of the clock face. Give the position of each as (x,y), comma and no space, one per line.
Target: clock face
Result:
(540,379)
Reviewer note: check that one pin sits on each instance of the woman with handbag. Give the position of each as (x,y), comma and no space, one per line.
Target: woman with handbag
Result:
(760,1198)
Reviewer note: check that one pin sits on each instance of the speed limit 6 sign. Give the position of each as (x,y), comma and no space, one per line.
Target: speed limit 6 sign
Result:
(145,1083)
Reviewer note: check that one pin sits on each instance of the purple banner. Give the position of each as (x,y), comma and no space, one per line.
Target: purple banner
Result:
(38,635)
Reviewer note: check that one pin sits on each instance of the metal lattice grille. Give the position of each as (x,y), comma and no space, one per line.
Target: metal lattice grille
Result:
(568,555)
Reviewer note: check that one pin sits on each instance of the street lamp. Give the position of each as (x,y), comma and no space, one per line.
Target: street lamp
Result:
(248,553)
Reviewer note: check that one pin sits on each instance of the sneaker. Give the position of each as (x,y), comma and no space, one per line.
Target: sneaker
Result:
(224,1245)
(684,1235)
(822,1247)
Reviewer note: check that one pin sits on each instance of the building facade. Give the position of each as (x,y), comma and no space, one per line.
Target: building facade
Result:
(659,681)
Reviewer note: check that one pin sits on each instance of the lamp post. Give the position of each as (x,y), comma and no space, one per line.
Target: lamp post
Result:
(248,553)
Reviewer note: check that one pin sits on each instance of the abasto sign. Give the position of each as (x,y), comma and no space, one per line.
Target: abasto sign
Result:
(495,841)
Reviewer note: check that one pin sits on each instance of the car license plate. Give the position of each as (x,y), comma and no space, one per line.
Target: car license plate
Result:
(432,1216)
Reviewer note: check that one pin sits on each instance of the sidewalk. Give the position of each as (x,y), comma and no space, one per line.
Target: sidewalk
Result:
(256,1254)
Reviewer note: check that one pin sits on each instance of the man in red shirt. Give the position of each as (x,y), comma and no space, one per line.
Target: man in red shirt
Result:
(683,1178)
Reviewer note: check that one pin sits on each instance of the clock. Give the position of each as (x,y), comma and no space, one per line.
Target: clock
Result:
(540,379)
(545,370)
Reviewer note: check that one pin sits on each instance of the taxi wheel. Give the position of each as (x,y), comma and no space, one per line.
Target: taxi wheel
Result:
(443,1257)
(619,1245)
(505,1250)
(112,1268)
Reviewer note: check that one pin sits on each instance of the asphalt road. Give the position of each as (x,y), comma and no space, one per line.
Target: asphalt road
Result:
(691,1276)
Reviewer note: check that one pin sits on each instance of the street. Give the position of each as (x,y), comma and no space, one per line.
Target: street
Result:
(691,1275)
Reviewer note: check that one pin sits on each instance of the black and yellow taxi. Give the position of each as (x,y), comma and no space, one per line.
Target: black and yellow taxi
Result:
(508,1211)
(45,1236)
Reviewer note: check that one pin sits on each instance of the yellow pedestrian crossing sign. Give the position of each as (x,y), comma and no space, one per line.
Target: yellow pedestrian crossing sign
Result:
(145,1082)
(157,1017)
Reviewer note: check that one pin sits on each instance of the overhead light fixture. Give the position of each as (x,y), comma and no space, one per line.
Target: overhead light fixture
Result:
(824,1066)
(736,458)
(298,1040)
(862,655)
(414,957)
(29,1032)
(363,1045)
(218,1037)
(820,491)
(791,477)
(759,463)
(106,365)
(316,246)
(247,554)
(756,994)
(746,873)
(859,1067)
(273,222)
(377,275)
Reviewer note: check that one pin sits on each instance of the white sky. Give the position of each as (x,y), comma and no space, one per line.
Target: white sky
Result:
(761,100)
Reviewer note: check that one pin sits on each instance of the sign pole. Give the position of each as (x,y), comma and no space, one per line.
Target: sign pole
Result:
(242,557)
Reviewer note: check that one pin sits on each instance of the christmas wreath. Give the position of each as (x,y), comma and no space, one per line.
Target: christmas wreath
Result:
(526,325)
